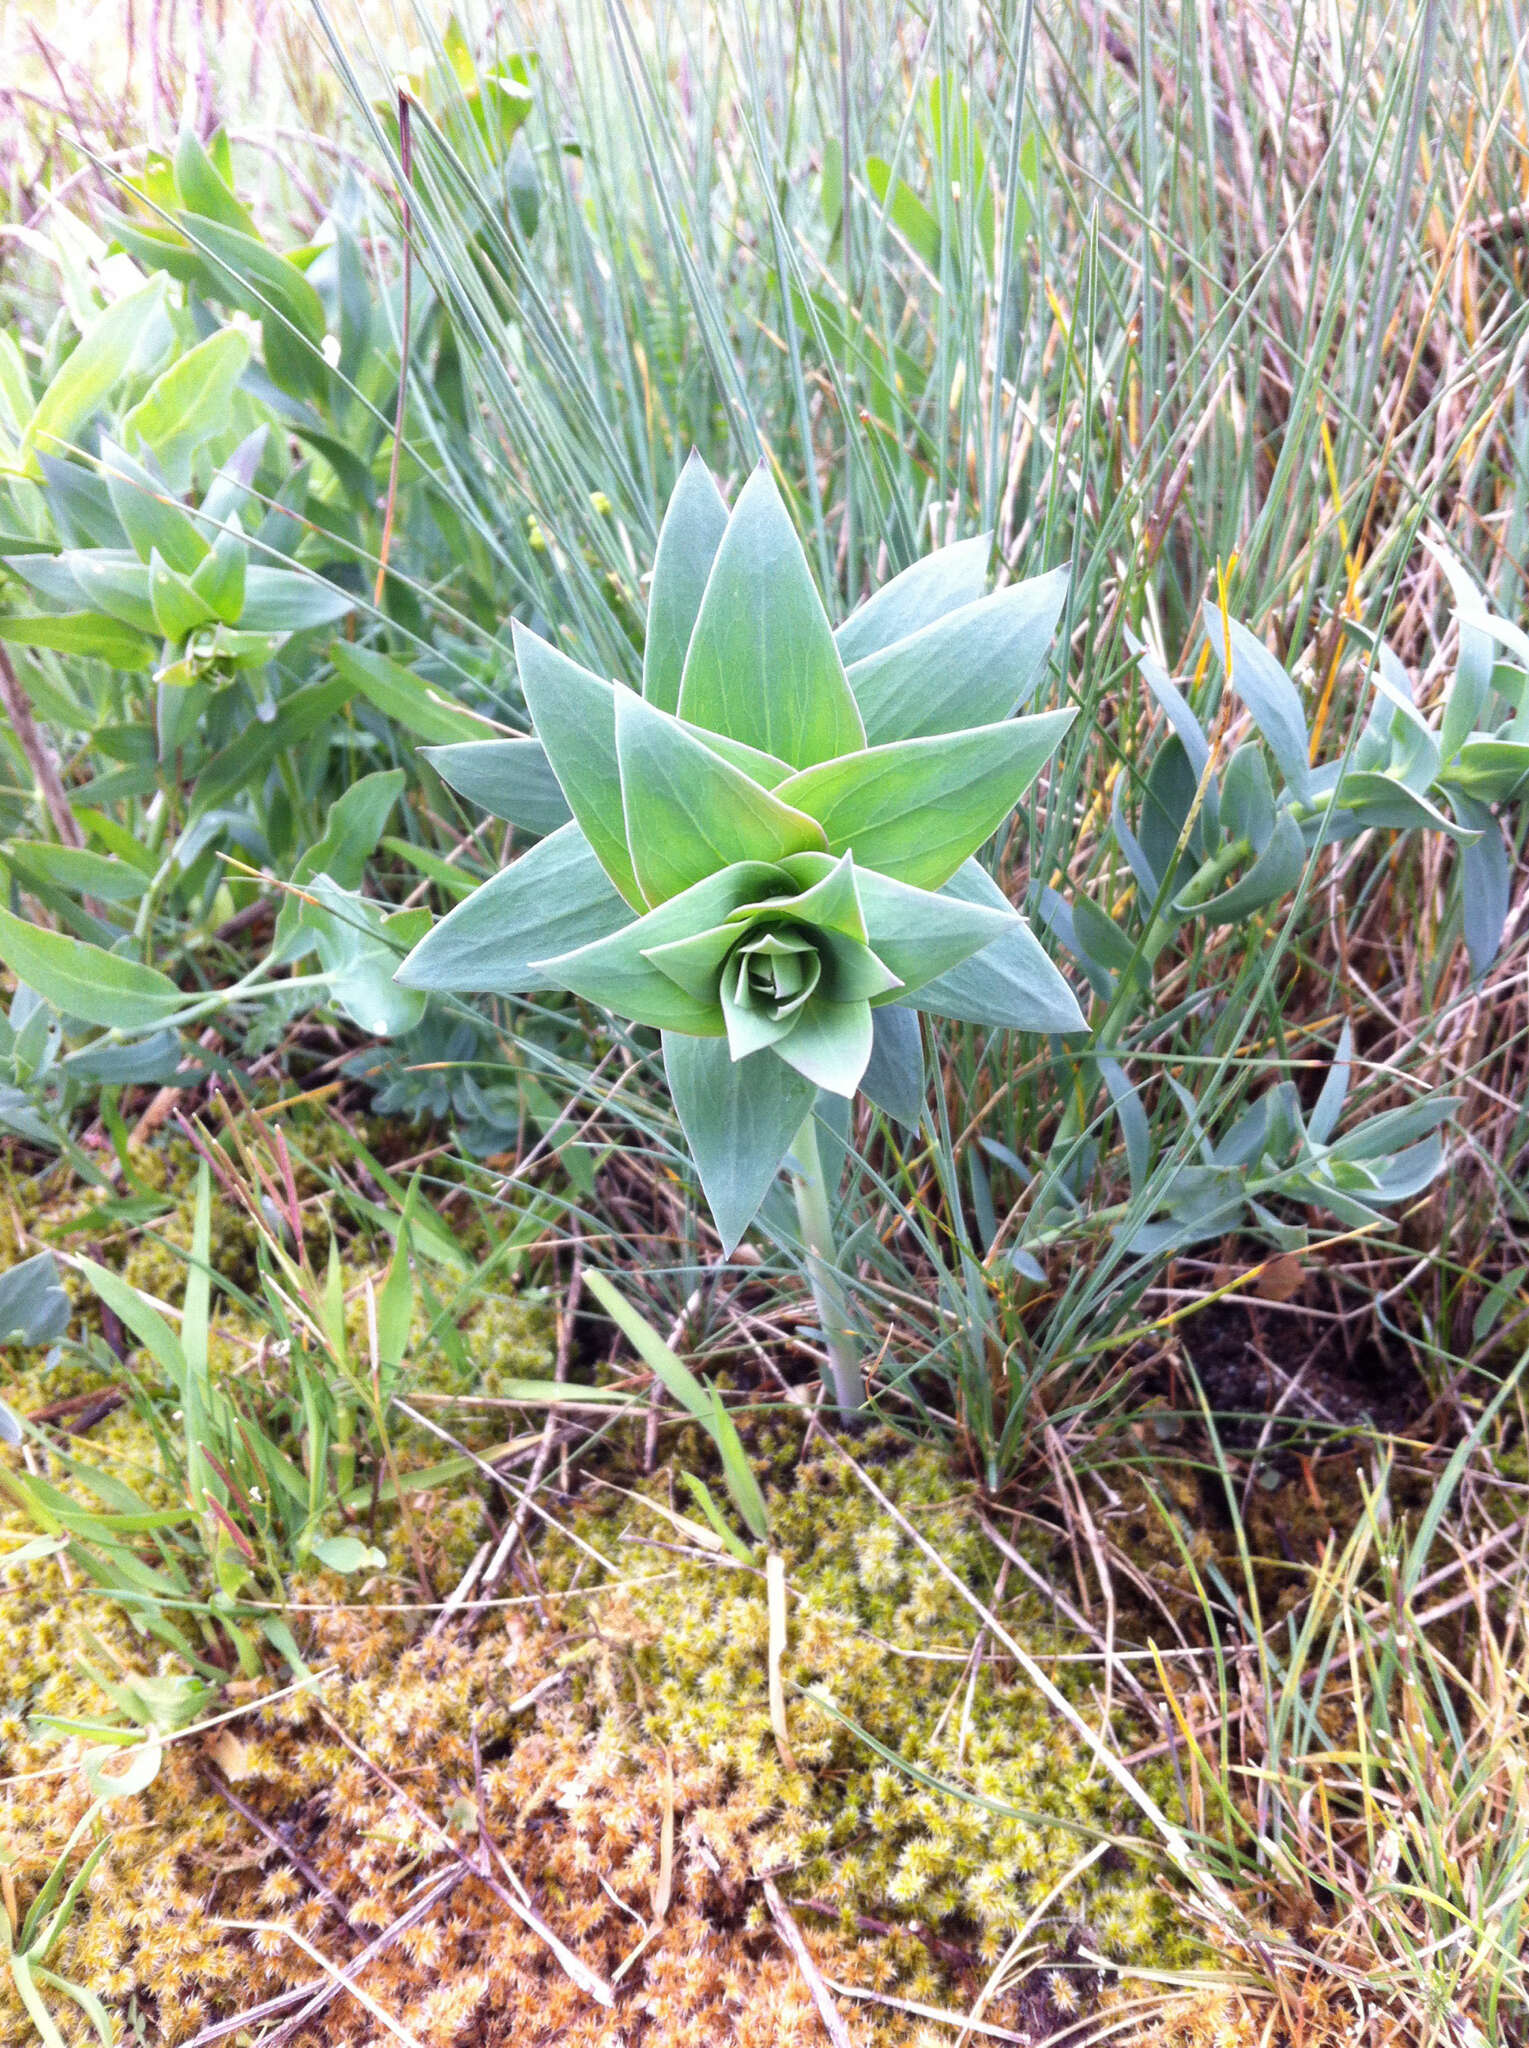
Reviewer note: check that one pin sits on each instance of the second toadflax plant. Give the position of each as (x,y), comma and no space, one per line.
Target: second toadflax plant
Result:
(768,851)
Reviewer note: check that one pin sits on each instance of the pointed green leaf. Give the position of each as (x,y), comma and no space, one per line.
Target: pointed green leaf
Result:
(1275,873)
(189,403)
(510,779)
(762,665)
(88,633)
(201,188)
(1269,694)
(574,713)
(829,1043)
(738,1121)
(687,546)
(177,608)
(918,934)
(85,981)
(409,701)
(689,812)
(940,582)
(971,667)
(615,971)
(220,577)
(915,810)
(131,334)
(553,899)
(894,1077)
(149,514)
(287,601)
(827,896)
(1011,983)
(114,581)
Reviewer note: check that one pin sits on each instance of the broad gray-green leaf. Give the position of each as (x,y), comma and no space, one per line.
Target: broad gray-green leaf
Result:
(1486,894)
(189,402)
(738,1121)
(575,717)
(178,610)
(1380,801)
(85,981)
(615,972)
(916,809)
(1011,982)
(409,701)
(830,1044)
(554,898)
(940,582)
(114,581)
(149,515)
(687,546)
(762,665)
(919,934)
(689,812)
(1493,770)
(894,1078)
(90,633)
(34,1309)
(970,667)
(286,601)
(1247,798)
(1274,873)
(510,779)
(359,945)
(1269,694)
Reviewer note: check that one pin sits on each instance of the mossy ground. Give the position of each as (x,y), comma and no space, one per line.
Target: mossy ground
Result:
(613,1697)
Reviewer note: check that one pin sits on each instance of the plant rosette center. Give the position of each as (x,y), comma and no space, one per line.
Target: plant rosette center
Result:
(768,853)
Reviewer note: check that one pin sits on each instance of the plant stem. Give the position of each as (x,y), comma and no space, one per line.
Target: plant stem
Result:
(846,1381)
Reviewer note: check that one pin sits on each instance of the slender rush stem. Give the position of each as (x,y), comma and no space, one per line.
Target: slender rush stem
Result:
(846,1381)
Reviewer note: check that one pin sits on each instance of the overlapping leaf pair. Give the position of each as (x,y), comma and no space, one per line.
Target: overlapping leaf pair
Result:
(768,851)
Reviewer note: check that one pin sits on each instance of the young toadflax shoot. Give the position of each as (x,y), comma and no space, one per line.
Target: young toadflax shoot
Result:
(769,857)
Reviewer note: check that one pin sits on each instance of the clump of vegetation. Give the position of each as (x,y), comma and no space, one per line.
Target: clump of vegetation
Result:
(1049,1563)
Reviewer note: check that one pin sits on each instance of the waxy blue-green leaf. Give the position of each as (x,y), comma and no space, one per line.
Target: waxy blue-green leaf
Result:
(111,580)
(918,934)
(940,582)
(1269,694)
(762,665)
(828,894)
(894,1076)
(287,601)
(1011,983)
(510,779)
(615,970)
(970,667)
(916,809)
(358,945)
(687,546)
(738,1119)
(554,898)
(575,717)
(689,812)
(178,610)
(149,514)
(1274,873)
(829,1044)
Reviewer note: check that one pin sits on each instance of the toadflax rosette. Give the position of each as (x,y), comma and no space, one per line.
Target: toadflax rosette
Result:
(767,853)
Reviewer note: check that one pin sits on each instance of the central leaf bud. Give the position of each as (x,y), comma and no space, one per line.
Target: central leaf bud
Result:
(775,970)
